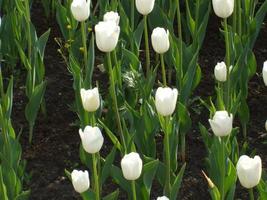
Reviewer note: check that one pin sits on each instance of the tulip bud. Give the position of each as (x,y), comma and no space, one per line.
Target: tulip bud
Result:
(264,73)
(144,7)
(92,139)
(112,16)
(160,40)
(107,35)
(80,9)
(166,99)
(163,198)
(222,123)
(223,8)
(90,99)
(249,171)
(131,165)
(220,72)
(80,180)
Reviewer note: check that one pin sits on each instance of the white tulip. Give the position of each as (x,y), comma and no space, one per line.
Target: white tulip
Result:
(80,9)
(131,165)
(220,72)
(112,16)
(90,99)
(163,198)
(166,99)
(223,8)
(160,40)
(266,125)
(80,180)
(92,139)
(107,35)
(222,123)
(144,7)
(264,72)
(249,171)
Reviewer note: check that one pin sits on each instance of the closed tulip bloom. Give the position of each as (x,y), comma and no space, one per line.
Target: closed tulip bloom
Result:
(80,9)
(249,171)
(266,125)
(163,198)
(80,180)
(160,40)
(223,8)
(112,16)
(222,123)
(166,99)
(144,7)
(90,99)
(220,72)
(92,139)
(131,165)
(264,72)
(107,35)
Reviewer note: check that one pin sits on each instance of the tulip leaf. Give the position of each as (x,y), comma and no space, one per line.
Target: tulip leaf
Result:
(116,173)
(3,190)
(177,183)
(42,42)
(112,196)
(107,165)
(149,171)
(32,107)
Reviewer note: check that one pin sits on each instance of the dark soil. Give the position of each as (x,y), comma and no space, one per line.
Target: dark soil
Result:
(56,139)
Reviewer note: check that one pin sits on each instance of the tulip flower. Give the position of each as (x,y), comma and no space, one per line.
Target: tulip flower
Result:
(249,171)
(80,9)
(112,16)
(266,125)
(222,123)
(90,99)
(223,8)
(160,40)
(80,180)
(107,35)
(92,139)
(166,99)
(220,72)
(144,7)
(163,198)
(131,165)
(264,72)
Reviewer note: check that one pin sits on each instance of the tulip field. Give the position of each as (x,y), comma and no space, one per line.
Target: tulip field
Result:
(133,99)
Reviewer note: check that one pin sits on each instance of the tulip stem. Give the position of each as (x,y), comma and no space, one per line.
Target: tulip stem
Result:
(28,16)
(228,63)
(96,185)
(83,31)
(114,98)
(167,159)
(163,70)
(180,35)
(133,190)
(251,194)
(147,46)
(132,23)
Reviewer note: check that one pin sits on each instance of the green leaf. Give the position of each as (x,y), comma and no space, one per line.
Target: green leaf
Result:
(32,107)
(177,183)
(149,171)
(112,196)
(42,42)
(107,165)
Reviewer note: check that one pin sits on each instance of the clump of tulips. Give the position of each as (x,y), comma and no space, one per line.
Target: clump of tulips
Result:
(151,97)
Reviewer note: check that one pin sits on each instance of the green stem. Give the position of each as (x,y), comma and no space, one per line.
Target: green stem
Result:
(83,31)
(31,133)
(183,147)
(228,63)
(163,70)
(147,46)
(234,16)
(86,118)
(96,183)
(244,131)
(114,99)
(28,16)
(132,23)
(239,18)
(133,190)
(222,168)
(180,35)
(167,160)
(251,194)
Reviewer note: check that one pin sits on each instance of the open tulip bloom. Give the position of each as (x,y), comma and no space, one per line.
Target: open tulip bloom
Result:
(112,16)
